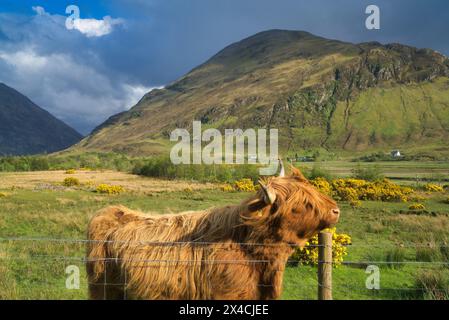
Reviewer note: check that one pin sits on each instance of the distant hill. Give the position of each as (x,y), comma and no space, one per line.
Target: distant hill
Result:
(320,93)
(27,129)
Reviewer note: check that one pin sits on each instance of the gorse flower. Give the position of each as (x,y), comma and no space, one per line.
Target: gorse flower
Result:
(245,185)
(431,187)
(309,254)
(322,185)
(227,188)
(417,206)
(71,182)
(109,189)
(353,190)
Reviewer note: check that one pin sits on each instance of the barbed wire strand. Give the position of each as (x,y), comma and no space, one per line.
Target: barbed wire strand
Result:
(206,243)
(115,259)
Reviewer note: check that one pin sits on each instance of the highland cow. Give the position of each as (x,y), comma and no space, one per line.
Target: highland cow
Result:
(234,252)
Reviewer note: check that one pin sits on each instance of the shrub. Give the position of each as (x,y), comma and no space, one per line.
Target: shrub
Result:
(71,182)
(2,195)
(68,161)
(109,189)
(163,168)
(70,171)
(347,194)
(371,173)
(428,254)
(357,189)
(417,206)
(431,187)
(395,257)
(379,156)
(245,185)
(39,164)
(434,284)
(227,188)
(322,185)
(309,254)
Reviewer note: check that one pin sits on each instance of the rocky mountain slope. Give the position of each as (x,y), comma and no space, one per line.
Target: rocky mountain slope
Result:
(317,92)
(26,129)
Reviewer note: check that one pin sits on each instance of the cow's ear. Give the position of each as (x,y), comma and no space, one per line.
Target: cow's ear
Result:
(297,174)
(268,193)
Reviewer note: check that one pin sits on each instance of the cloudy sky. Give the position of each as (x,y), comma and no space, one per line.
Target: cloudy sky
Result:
(102,63)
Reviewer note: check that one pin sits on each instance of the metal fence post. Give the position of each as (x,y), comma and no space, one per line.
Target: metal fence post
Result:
(325,266)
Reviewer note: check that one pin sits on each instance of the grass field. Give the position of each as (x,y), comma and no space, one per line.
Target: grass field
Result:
(37,205)
(409,172)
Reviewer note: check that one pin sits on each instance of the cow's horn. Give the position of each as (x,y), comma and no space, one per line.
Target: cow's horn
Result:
(282,170)
(268,194)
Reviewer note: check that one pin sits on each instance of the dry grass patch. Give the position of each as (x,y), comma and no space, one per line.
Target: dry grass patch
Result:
(31,180)
(418,224)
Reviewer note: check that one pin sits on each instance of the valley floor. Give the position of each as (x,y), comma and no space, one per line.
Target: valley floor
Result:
(36,205)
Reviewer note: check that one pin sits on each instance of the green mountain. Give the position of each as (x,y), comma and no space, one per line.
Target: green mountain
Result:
(25,128)
(319,93)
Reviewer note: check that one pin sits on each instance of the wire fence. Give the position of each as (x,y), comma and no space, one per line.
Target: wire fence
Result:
(21,253)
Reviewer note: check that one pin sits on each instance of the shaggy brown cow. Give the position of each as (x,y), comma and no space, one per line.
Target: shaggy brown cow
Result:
(234,252)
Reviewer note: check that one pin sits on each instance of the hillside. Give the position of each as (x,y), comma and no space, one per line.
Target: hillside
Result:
(319,93)
(25,128)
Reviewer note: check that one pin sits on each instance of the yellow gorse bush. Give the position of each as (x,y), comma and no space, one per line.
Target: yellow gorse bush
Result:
(227,188)
(71,182)
(431,187)
(309,254)
(417,206)
(109,189)
(2,195)
(356,189)
(323,185)
(245,185)
(70,171)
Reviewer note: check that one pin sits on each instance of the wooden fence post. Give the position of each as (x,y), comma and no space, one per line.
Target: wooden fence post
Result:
(325,266)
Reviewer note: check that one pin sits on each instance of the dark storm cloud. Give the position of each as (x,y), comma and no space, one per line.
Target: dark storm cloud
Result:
(85,79)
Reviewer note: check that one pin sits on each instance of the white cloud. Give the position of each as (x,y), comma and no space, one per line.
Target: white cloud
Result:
(136,92)
(40,11)
(64,72)
(24,60)
(76,93)
(96,28)
(88,27)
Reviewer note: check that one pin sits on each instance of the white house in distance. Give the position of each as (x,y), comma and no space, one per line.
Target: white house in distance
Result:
(395,153)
